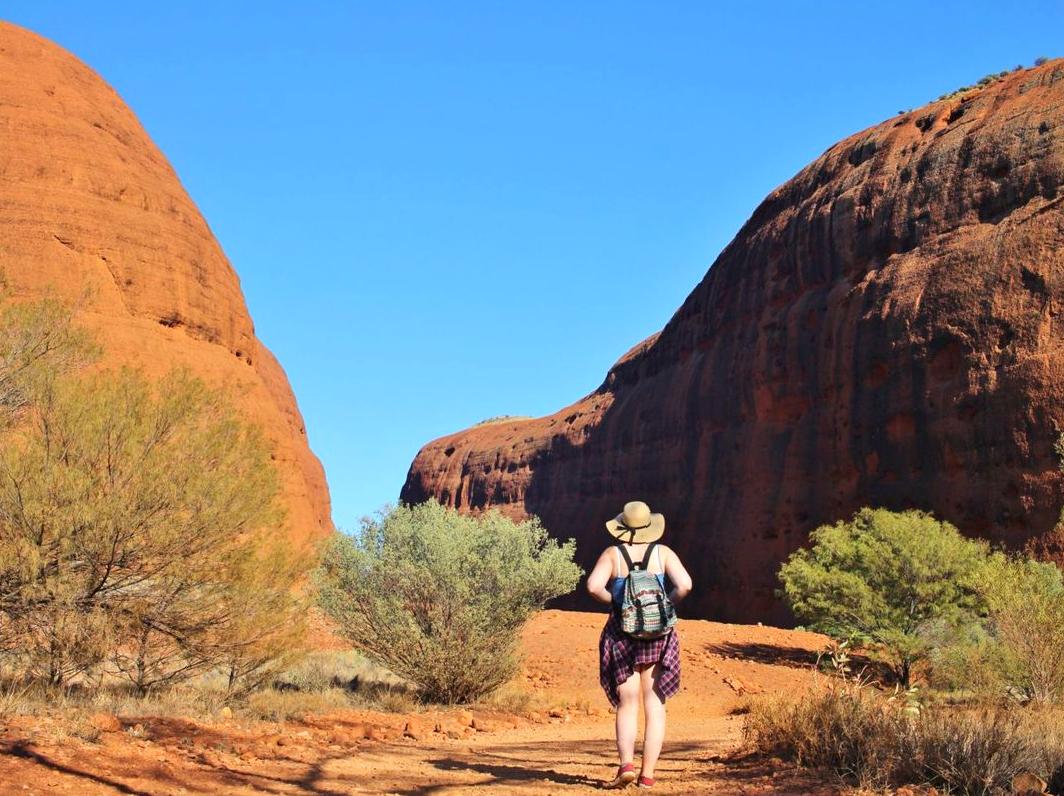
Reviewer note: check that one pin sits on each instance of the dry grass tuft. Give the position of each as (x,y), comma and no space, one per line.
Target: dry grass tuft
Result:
(324,682)
(879,741)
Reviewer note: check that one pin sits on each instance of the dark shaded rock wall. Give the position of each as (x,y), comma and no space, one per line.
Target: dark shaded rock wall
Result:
(882,331)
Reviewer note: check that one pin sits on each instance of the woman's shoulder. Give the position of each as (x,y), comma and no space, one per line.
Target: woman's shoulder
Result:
(666,550)
(607,552)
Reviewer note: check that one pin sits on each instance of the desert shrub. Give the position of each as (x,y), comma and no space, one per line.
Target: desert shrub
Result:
(886,579)
(970,751)
(267,622)
(139,530)
(1017,648)
(1025,601)
(1041,59)
(439,597)
(844,727)
(968,664)
(880,741)
(39,342)
(131,520)
(500,419)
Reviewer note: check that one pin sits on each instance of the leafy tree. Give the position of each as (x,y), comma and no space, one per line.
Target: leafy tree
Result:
(39,342)
(439,597)
(269,615)
(1025,600)
(887,579)
(135,510)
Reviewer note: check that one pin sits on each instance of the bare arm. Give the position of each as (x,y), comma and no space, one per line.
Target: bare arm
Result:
(678,574)
(596,581)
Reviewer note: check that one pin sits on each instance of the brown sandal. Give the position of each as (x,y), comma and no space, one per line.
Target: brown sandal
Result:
(625,777)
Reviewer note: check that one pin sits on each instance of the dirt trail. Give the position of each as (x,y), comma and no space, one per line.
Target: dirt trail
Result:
(564,749)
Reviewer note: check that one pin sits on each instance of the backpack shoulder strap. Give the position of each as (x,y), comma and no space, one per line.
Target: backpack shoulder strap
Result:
(627,558)
(646,556)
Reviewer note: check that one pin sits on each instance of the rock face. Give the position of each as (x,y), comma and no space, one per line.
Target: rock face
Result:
(882,331)
(88,204)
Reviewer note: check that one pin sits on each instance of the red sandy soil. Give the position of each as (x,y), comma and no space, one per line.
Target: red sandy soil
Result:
(567,748)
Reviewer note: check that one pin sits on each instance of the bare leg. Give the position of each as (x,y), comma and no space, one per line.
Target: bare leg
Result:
(628,718)
(654,712)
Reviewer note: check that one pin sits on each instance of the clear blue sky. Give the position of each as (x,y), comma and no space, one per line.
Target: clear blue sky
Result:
(445,211)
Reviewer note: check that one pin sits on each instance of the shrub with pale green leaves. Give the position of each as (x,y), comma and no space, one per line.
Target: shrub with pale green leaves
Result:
(889,580)
(440,597)
(140,532)
(1025,601)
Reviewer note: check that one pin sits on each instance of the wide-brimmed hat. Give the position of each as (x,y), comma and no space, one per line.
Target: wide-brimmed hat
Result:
(636,525)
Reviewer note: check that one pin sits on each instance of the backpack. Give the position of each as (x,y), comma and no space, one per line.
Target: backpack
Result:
(646,610)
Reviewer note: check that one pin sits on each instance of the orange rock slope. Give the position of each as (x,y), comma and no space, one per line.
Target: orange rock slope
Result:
(89,203)
(881,331)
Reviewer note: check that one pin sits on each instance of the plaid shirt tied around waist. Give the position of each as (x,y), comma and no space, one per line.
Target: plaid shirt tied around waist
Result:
(620,654)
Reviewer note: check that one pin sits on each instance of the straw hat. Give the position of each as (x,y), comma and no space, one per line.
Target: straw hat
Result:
(636,525)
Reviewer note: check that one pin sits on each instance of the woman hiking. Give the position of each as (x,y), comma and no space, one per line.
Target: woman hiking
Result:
(639,651)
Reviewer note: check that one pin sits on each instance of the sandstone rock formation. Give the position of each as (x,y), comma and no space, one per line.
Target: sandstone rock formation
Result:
(882,331)
(88,202)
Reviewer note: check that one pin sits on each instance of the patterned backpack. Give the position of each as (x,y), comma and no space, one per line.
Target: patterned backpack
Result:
(646,610)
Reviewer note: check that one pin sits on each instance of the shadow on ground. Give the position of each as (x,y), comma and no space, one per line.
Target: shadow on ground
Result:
(772,654)
(544,767)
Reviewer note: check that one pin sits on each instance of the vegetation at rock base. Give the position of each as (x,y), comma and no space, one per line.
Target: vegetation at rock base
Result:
(38,342)
(140,538)
(986,628)
(1026,620)
(887,580)
(440,597)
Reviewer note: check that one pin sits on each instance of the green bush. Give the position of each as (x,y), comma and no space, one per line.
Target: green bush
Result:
(1017,648)
(39,342)
(1025,601)
(439,597)
(969,664)
(887,579)
(140,534)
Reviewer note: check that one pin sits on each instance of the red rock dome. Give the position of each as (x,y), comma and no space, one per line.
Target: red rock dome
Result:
(87,201)
(882,331)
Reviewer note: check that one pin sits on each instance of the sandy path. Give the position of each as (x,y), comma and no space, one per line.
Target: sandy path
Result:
(571,759)
(362,752)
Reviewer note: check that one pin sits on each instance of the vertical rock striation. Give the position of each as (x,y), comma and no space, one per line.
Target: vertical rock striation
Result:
(882,331)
